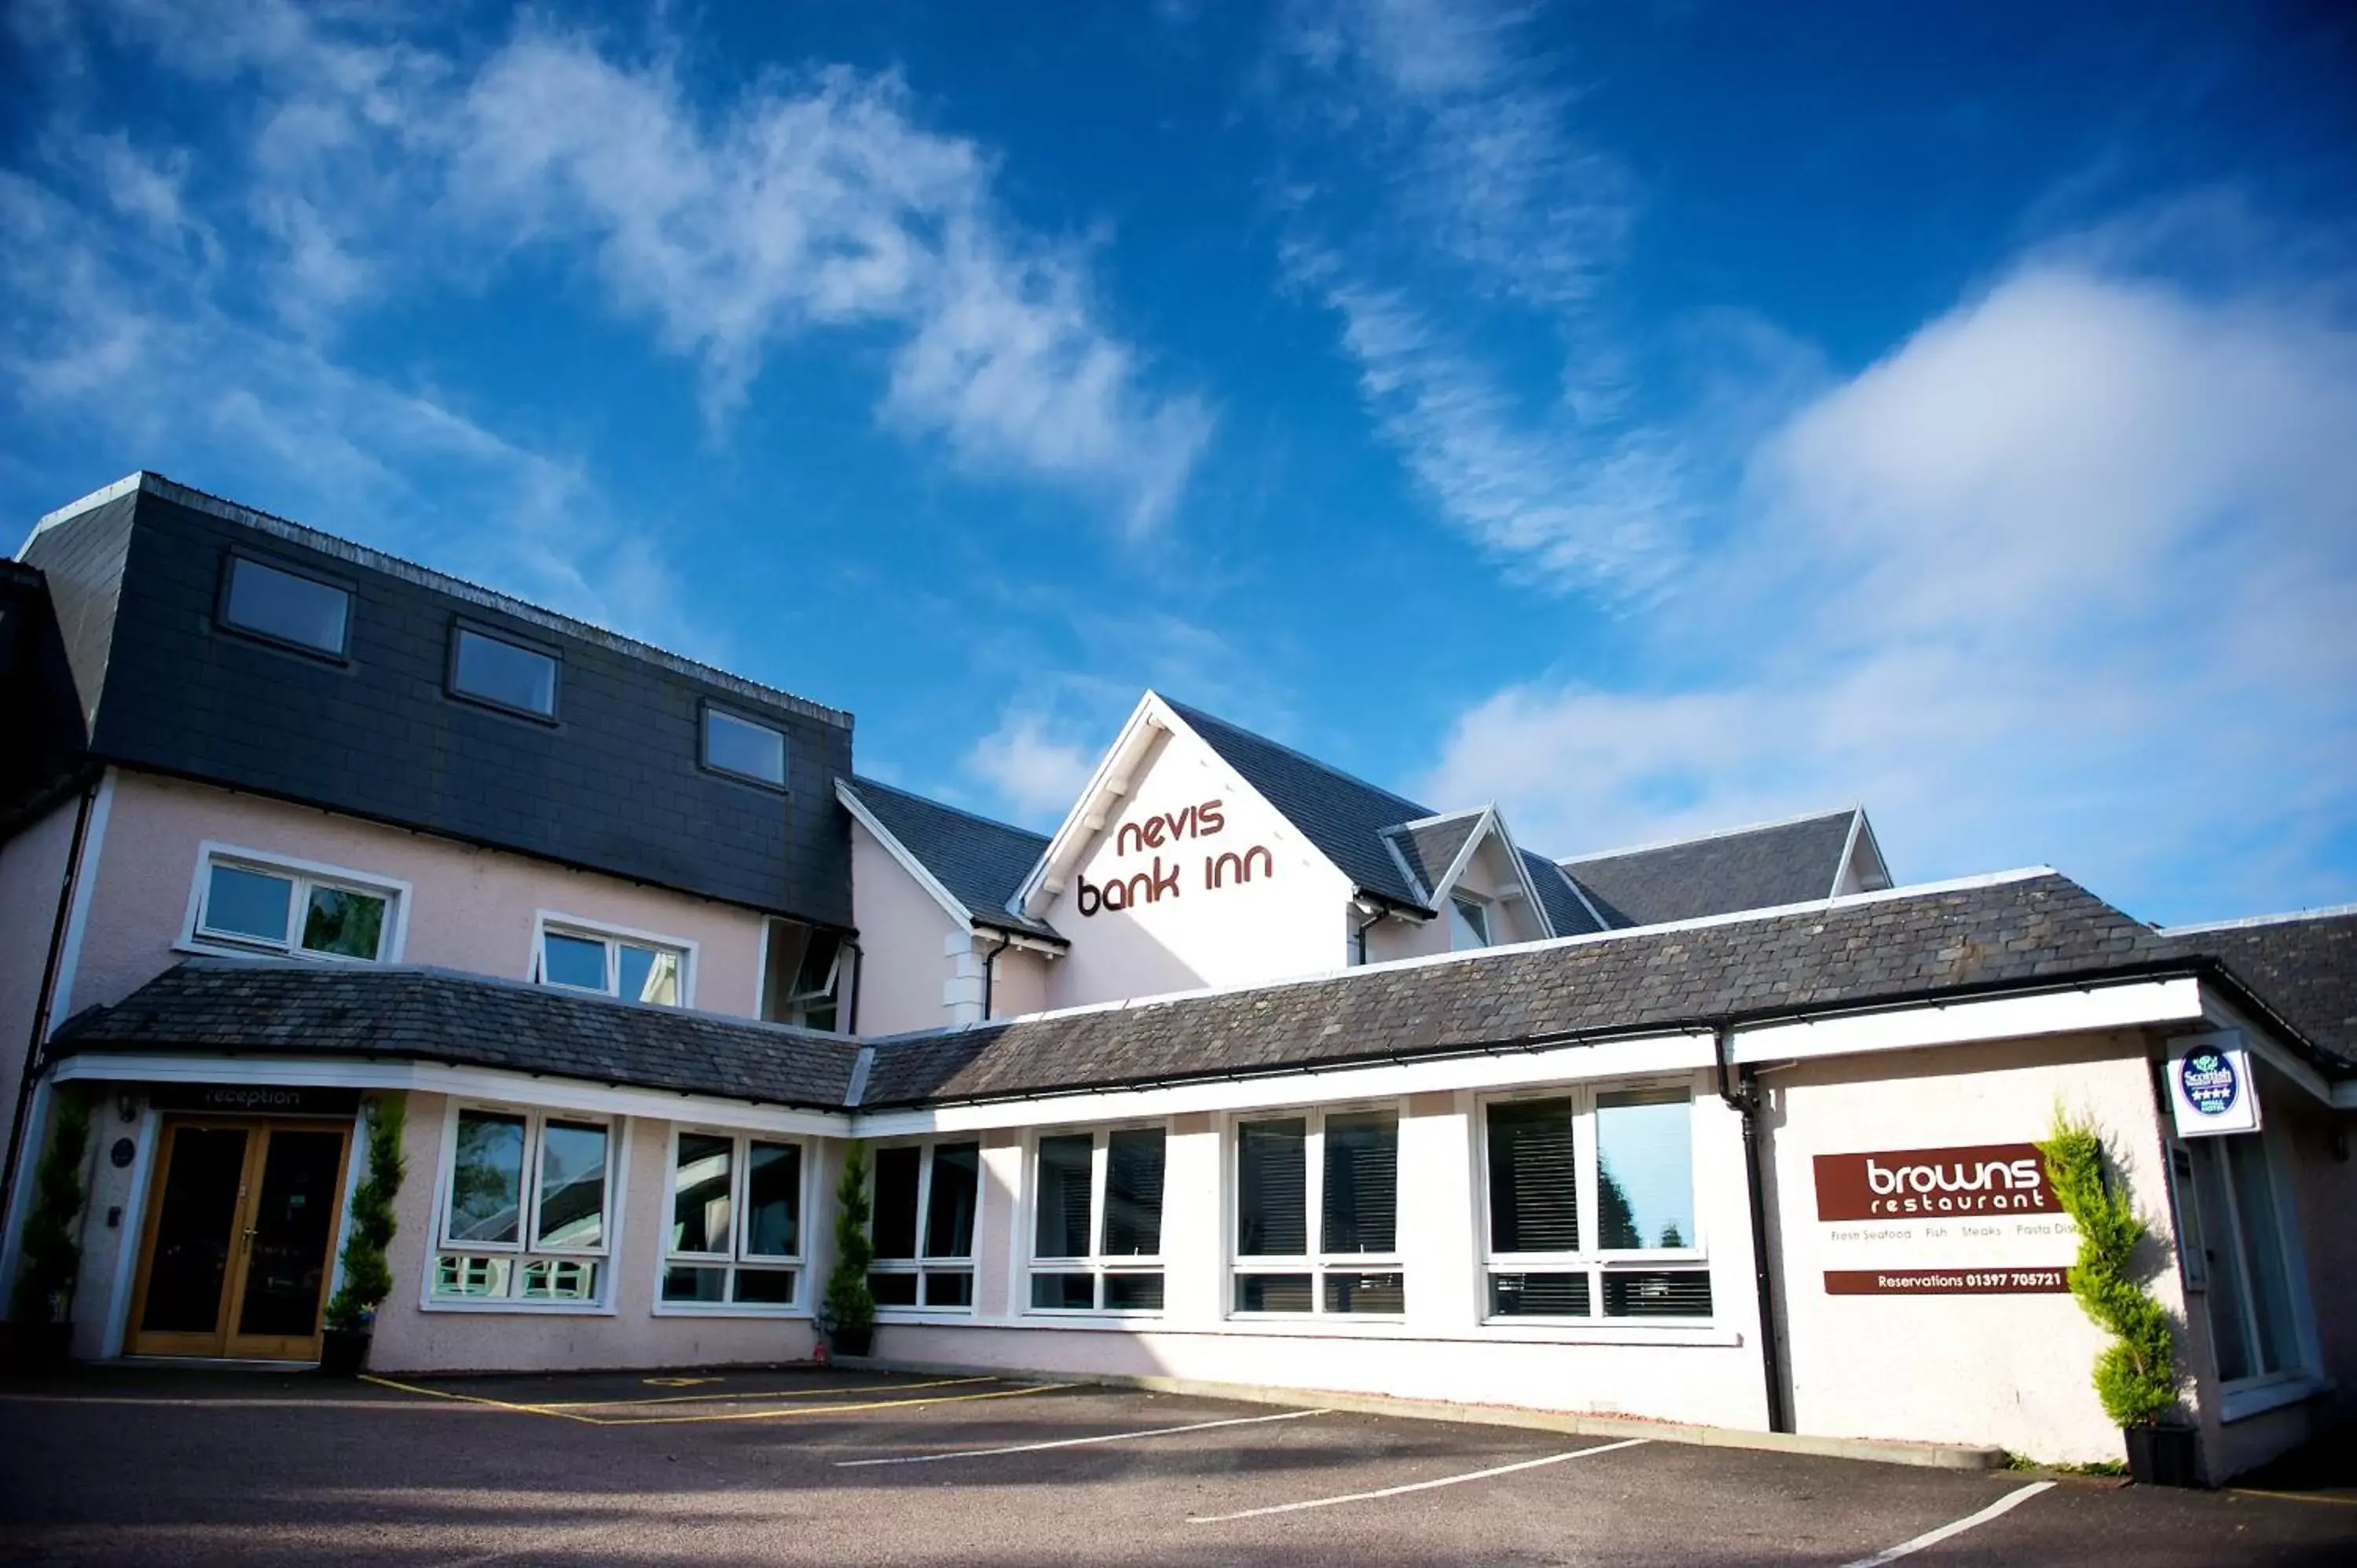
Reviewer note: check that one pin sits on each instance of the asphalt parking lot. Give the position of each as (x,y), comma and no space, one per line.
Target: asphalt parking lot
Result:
(164,1466)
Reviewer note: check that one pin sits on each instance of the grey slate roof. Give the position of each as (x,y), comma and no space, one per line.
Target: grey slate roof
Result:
(2028,931)
(1343,816)
(2303,968)
(981,862)
(1565,910)
(1756,868)
(286,1007)
(1431,847)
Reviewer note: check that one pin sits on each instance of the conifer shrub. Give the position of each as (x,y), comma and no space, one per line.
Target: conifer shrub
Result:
(2136,1375)
(49,1254)
(367,1276)
(850,1304)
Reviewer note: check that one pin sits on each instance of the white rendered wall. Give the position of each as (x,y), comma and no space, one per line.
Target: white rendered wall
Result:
(1287,921)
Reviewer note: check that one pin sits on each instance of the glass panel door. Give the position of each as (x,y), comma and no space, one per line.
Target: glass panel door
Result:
(191,1243)
(289,1225)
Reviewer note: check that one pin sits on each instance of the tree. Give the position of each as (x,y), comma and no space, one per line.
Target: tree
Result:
(850,1304)
(368,1277)
(2136,1375)
(50,1255)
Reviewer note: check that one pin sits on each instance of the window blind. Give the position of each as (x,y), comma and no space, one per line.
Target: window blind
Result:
(1272,1188)
(1534,1177)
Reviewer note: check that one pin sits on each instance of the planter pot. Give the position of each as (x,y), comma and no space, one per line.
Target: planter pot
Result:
(2163,1455)
(343,1352)
(851,1341)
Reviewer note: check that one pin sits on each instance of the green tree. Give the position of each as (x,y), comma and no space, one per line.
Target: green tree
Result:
(50,1255)
(850,1304)
(2136,1375)
(368,1277)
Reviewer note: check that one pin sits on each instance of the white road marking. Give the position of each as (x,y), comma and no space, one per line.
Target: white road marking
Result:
(2012,1500)
(1076,1442)
(1419,1486)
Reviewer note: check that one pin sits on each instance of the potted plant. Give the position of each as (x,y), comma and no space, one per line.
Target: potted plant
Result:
(40,1303)
(850,1316)
(2136,1375)
(368,1277)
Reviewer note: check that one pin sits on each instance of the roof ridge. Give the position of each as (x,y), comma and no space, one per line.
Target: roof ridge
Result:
(1435,819)
(143,480)
(860,782)
(1191,714)
(2288,917)
(1714,833)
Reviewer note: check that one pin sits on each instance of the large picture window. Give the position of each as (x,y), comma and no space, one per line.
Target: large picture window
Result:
(1096,1231)
(923,1226)
(2233,1228)
(736,1235)
(526,1197)
(1591,1206)
(256,903)
(1317,1217)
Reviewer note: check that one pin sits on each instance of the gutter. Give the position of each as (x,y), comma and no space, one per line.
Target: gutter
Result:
(1741,1093)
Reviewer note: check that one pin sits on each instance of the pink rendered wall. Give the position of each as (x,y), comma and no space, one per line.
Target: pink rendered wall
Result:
(470,909)
(31,866)
(901,931)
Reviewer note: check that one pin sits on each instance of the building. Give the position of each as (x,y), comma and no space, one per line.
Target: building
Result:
(1250,1073)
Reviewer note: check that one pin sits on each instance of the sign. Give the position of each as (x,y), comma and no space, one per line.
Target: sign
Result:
(1944,1282)
(254,1099)
(1154,883)
(1904,1184)
(2210,1085)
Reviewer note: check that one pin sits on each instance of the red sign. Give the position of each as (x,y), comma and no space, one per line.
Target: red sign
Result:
(1225,869)
(1918,1184)
(1944,1282)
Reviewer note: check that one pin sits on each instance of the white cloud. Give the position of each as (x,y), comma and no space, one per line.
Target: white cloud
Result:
(1037,775)
(2067,576)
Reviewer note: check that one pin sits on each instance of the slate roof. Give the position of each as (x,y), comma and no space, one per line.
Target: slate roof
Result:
(2302,968)
(1343,816)
(1751,868)
(981,862)
(1431,846)
(1566,911)
(1890,948)
(287,1007)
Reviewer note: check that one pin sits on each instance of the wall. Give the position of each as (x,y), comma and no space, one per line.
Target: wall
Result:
(1021,983)
(470,909)
(903,930)
(1487,874)
(32,867)
(2011,1369)
(1287,921)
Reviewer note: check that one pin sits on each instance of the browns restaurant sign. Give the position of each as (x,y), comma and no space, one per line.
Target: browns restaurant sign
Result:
(1909,1184)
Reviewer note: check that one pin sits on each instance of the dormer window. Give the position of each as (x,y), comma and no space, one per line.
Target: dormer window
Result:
(1469,922)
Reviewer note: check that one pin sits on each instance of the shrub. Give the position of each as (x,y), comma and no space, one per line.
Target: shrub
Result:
(50,1255)
(2136,1375)
(368,1277)
(849,1302)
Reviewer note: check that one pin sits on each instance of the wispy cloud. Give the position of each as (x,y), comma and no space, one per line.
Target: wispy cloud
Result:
(1037,775)
(2087,538)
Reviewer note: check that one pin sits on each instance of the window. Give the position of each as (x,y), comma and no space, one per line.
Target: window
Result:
(505,674)
(736,1238)
(923,1225)
(1096,1233)
(1469,922)
(741,747)
(801,974)
(255,903)
(1590,1203)
(1339,1171)
(2236,1230)
(287,606)
(633,968)
(523,1218)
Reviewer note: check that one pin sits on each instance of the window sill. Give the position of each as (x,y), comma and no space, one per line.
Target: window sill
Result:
(529,1308)
(2258,1399)
(726,1309)
(198,947)
(1290,1326)
(925,1315)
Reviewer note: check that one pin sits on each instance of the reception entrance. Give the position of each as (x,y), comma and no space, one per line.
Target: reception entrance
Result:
(233,1261)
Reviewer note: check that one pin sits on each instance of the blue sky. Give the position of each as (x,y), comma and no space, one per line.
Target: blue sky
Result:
(1652,418)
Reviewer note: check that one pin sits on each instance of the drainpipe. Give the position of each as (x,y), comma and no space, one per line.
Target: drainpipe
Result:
(1741,1093)
(1358,932)
(990,968)
(48,998)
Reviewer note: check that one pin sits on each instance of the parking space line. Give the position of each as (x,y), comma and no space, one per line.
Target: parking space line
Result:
(1077,1442)
(2011,1500)
(1417,1486)
(814,1409)
(756,1394)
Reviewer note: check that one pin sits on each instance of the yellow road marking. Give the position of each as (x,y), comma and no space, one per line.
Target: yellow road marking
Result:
(477,1399)
(822,1409)
(2293,1497)
(677,1382)
(774,1394)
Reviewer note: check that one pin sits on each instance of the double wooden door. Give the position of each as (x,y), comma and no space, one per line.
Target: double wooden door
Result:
(233,1258)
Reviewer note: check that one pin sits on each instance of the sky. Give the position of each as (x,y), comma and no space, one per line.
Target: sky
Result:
(1652,418)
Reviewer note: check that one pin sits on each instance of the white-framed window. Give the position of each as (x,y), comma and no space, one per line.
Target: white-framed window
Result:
(526,1209)
(1471,919)
(744,747)
(636,966)
(923,1225)
(735,1239)
(1096,1219)
(1315,1227)
(1589,1206)
(2235,1234)
(249,901)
